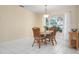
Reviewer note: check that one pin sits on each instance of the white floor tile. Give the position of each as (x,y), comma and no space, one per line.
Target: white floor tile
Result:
(24,46)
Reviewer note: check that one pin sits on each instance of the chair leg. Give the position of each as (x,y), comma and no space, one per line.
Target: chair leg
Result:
(52,41)
(55,40)
(39,43)
(33,43)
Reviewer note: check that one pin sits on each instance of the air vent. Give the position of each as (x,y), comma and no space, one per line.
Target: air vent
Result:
(21,5)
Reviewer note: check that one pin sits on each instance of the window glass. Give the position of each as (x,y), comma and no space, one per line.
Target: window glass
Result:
(56,21)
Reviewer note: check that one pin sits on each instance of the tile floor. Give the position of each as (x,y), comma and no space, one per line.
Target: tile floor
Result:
(24,46)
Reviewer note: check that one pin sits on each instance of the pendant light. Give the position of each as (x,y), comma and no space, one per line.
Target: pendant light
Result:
(46,14)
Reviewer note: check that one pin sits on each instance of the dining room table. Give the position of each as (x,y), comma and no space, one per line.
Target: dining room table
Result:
(46,34)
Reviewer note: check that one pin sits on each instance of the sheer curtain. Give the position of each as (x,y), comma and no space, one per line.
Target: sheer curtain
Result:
(67,24)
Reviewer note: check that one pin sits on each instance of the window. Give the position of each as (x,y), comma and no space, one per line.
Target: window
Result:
(56,21)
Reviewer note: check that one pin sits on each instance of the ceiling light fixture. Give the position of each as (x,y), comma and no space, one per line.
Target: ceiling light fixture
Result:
(46,14)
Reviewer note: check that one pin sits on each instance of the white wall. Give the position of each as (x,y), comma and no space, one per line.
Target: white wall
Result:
(16,22)
(78,16)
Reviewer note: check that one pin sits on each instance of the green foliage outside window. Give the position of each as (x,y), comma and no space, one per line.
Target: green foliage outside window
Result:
(53,23)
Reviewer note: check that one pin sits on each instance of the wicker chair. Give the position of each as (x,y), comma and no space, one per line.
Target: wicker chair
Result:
(53,35)
(38,38)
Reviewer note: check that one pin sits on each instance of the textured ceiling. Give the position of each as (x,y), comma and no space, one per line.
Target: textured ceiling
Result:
(50,8)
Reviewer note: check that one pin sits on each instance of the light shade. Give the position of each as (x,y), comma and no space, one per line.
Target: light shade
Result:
(46,15)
